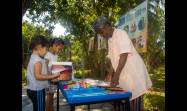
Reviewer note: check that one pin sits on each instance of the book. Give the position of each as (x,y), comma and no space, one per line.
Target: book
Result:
(59,67)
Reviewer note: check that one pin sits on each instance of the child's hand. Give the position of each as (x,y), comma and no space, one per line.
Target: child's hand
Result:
(54,76)
(55,80)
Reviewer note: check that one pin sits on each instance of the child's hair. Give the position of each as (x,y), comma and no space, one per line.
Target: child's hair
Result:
(57,41)
(39,40)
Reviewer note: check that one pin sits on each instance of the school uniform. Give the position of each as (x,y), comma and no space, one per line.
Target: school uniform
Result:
(36,88)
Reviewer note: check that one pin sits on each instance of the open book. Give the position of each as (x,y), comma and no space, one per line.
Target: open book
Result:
(58,67)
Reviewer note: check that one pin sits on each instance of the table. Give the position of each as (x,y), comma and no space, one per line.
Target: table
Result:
(93,95)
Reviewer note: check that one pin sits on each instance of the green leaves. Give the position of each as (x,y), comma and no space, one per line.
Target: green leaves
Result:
(77,17)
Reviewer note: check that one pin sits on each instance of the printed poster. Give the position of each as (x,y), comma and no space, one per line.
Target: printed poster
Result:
(135,22)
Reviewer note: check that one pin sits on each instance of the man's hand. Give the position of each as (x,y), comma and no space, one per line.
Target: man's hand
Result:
(108,77)
(115,80)
(121,64)
(110,71)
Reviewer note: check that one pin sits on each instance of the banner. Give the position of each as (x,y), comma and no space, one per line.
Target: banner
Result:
(135,22)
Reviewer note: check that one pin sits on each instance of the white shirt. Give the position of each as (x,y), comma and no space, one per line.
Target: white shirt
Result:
(34,84)
(134,76)
(52,58)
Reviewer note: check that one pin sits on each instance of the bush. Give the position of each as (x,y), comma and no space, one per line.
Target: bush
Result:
(158,77)
(154,102)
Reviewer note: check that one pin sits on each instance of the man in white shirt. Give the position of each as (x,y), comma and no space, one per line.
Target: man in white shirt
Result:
(129,69)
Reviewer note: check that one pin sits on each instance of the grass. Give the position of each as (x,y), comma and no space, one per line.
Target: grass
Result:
(154,100)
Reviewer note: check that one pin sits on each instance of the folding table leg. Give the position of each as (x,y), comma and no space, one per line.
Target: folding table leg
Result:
(127,105)
(115,106)
(88,107)
(57,99)
(119,105)
(72,107)
(122,104)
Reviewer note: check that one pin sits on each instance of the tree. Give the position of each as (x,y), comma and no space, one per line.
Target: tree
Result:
(25,5)
(78,15)
(155,57)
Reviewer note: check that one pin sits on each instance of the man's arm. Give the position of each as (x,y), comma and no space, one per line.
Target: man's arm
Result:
(121,64)
(110,71)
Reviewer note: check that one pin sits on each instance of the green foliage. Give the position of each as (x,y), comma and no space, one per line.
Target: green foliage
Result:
(154,102)
(77,16)
(28,32)
(155,56)
(158,78)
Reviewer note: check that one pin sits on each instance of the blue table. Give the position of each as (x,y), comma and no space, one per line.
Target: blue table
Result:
(93,95)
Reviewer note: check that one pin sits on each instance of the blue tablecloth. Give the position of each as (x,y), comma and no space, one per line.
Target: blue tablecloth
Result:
(93,94)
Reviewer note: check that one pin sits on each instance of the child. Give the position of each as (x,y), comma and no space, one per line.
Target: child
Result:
(37,73)
(56,46)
